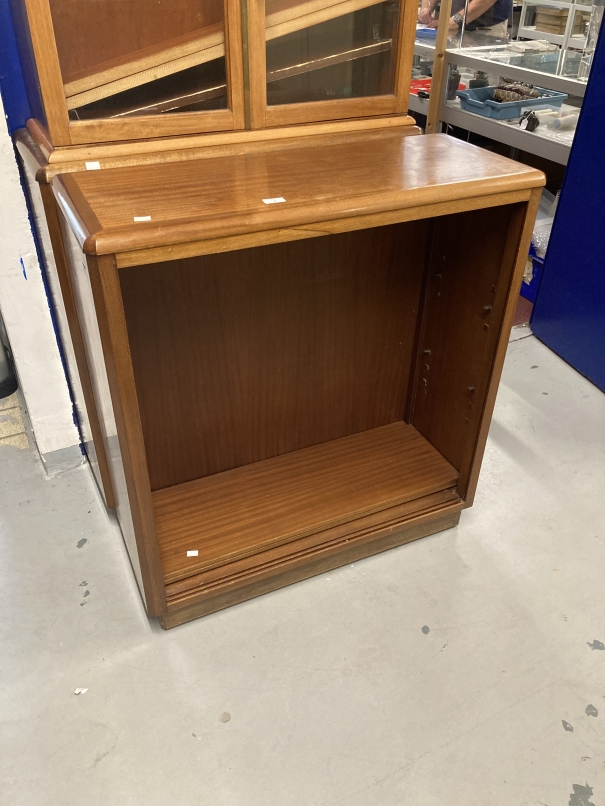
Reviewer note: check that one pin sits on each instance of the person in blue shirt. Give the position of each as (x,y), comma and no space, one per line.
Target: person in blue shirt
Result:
(485,16)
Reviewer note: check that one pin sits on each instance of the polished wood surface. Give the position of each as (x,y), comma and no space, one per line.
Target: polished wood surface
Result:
(286,16)
(210,246)
(237,513)
(517,249)
(302,549)
(277,348)
(438,73)
(48,68)
(405,54)
(146,65)
(466,292)
(114,339)
(190,147)
(89,33)
(99,442)
(295,568)
(212,198)
(106,130)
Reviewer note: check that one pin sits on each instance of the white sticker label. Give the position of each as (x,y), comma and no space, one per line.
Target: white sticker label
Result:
(79,691)
(142,218)
(276,200)
(93,166)
(192,553)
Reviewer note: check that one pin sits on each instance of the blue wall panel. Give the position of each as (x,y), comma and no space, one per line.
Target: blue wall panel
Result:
(12,86)
(569,315)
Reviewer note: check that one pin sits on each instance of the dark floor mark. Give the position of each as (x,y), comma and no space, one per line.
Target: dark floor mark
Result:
(596,644)
(544,393)
(86,593)
(83,584)
(81,542)
(580,796)
(425,630)
(567,726)
(591,711)
(82,604)
(225,716)
(535,366)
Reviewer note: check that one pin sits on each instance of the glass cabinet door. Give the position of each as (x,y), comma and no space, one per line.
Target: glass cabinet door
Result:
(127,59)
(323,59)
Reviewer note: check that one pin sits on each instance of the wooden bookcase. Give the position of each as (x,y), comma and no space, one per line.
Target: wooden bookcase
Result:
(283,388)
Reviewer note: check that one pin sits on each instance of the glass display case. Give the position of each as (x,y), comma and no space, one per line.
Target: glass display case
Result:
(312,61)
(117,71)
(550,51)
(133,69)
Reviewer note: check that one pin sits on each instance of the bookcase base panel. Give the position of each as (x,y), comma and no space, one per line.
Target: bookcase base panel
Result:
(326,558)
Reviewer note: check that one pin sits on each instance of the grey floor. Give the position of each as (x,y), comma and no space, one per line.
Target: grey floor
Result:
(466,668)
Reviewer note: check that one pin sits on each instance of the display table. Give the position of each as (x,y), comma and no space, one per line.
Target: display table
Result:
(294,350)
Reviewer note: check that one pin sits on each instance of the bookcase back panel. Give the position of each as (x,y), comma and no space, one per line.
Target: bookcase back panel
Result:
(342,55)
(90,33)
(242,356)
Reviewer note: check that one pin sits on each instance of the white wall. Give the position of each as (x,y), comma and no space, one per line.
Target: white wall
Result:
(26,314)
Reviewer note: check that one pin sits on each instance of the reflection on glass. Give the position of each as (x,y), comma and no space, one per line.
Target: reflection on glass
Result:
(122,58)
(592,35)
(340,56)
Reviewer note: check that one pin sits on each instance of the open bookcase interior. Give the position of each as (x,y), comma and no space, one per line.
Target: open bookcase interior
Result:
(284,390)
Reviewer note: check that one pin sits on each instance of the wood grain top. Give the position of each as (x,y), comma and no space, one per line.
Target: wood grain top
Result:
(123,209)
(240,512)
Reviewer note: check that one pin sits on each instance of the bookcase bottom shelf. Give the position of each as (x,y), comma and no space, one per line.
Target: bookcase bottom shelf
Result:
(257,521)
(441,512)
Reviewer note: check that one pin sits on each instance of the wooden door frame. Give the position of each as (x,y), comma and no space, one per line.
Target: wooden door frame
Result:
(262,115)
(66,132)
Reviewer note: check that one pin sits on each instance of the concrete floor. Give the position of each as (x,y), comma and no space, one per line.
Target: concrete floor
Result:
(466,668)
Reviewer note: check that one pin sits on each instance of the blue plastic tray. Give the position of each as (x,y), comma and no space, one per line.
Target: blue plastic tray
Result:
(480,102)
(426,33)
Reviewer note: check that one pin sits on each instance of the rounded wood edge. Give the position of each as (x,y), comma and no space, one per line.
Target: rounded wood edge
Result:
(184,142)
(175,233)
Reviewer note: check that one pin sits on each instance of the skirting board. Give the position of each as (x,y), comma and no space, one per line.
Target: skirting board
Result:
(65,459)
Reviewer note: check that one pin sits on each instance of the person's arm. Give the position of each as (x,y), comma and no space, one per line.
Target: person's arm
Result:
(427,9)
(475,9)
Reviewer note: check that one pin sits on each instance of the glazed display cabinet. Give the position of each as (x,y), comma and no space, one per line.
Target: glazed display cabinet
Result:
(102,71)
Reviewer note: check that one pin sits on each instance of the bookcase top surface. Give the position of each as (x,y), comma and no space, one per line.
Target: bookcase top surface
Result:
(298,184)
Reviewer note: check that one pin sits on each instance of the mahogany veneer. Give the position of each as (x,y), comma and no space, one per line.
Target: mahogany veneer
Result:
(240,512)
(276,389)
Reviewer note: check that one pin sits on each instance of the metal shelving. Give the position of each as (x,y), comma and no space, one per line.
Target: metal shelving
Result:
(418,105)
(503,132)
(545,145)
(473,58)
